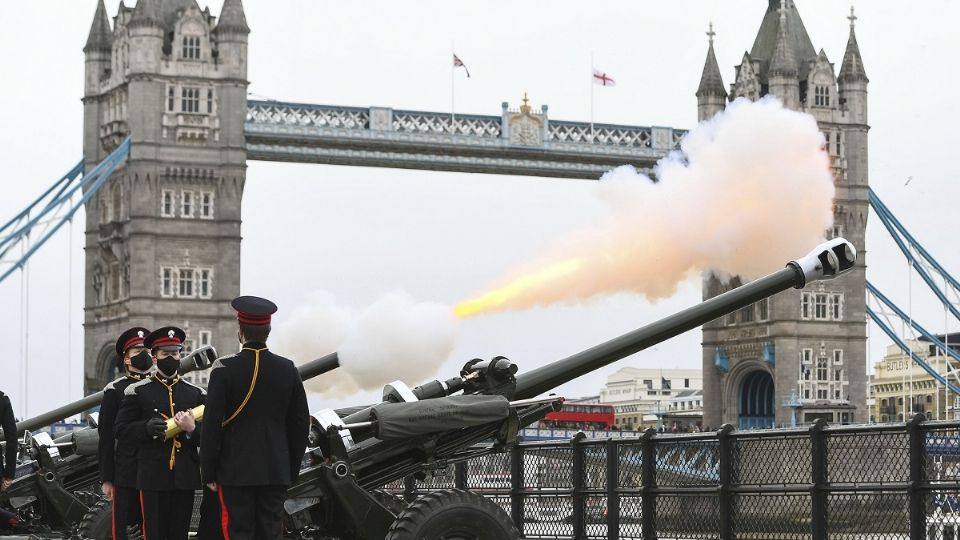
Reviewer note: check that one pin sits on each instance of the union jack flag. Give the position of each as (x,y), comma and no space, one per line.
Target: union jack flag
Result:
(457,62)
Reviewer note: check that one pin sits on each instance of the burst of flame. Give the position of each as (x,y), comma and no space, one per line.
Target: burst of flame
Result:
(516,289)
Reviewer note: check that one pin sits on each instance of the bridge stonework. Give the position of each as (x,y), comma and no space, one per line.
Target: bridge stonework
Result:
(800,352)
(162,241)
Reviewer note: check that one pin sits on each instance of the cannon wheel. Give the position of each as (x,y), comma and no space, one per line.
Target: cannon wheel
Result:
(453,514)
(96,523)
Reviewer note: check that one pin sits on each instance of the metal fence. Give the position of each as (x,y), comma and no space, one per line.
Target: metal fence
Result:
(879,482)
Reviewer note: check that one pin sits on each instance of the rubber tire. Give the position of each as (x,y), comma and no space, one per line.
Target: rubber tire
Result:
(453,514)
(393,503)
(97,523)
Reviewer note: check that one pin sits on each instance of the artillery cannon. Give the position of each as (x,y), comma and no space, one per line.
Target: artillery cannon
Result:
(352,452)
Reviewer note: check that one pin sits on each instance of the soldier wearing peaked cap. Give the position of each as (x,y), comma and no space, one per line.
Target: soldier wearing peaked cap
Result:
(256,428)
(168,470)
(118,460)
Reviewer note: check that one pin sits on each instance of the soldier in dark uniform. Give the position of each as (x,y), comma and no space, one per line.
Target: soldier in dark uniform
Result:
(256,428)
(9,425)
(168,470)
(118,461)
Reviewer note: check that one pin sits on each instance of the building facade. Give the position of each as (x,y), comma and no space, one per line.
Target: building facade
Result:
(162,241)
(635,393)
(800,352)
(901,388)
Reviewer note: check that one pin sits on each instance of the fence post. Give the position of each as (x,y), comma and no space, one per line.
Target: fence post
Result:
(613,494)
(460,475)
(648,480)
(918,471)
(819,487)
(516,486)
(725,506)
(579,498)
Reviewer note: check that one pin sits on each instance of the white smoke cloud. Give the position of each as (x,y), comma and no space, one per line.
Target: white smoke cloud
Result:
(751,190)
(394,338)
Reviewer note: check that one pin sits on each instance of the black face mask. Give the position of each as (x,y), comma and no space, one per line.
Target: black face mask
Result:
(168,366)
(142,361)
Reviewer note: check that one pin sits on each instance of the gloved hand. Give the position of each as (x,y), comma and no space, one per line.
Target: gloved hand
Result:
(155,427)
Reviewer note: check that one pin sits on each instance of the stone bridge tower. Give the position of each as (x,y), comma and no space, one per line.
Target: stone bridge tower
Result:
(162,242)
(799,354)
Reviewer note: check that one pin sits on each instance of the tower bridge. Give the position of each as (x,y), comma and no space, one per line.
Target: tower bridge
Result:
(518,142)
(171,78)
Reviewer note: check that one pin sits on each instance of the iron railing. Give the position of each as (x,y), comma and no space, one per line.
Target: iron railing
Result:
(888,481)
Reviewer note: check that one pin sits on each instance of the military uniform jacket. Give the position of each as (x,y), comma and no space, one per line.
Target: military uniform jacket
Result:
(9,425)
(264,443)
(118,459)
(161,465)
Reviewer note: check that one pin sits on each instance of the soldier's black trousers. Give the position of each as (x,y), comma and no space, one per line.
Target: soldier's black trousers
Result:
(125,508)
(166,514)
(252,512)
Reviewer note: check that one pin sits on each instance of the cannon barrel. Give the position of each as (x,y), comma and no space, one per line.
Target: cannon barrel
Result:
(201,358)
(826,261)
(319,366)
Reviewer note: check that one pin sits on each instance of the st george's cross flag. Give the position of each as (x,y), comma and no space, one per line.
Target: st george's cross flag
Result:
(603,79)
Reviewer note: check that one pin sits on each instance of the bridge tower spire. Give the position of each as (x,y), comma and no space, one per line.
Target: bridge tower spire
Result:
(162,241)
(711,95)
(784,82)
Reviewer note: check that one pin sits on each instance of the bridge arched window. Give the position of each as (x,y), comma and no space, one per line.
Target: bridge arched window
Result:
(190,100)
(821,96)
(190,49)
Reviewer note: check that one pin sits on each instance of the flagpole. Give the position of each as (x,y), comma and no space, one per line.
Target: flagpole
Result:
(453,78)
(591,97)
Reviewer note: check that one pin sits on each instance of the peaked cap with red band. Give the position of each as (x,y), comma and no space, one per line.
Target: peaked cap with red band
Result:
(131,338)
(168,338)
(253,310)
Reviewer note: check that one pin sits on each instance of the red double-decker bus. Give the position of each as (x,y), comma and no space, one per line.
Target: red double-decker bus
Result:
(580,416)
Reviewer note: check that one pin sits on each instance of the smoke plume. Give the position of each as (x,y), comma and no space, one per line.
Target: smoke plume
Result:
(394,338)
(751,190)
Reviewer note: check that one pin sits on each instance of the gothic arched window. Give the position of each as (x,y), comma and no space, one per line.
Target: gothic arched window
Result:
(190,48)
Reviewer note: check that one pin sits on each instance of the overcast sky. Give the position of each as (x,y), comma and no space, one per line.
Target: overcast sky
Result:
(360,233)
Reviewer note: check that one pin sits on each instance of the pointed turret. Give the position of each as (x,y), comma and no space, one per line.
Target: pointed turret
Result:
(782,74)
(147,13)
(784,61)
(852,68)
(711,95)
(711,82)
(765,44)
(232,18)
(853,79)
(99,38)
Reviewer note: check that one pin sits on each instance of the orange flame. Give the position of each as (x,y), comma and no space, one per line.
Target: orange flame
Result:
(506,296)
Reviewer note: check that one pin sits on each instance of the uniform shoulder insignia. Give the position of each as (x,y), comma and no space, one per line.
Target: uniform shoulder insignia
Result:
(203,392)
(132,389)
(112,384)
